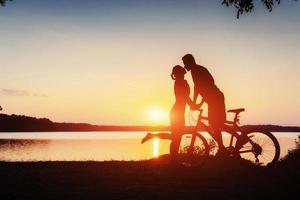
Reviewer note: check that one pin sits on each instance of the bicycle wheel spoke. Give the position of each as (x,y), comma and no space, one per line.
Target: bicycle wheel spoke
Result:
(266,160)
(264,141)
(267,142)
(270,155)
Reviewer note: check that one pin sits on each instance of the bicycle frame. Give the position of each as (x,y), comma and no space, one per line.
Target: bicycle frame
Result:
(233,131)
(242,137)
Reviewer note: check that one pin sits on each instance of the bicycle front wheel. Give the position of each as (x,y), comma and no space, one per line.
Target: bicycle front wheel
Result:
(261,147)
(192,153)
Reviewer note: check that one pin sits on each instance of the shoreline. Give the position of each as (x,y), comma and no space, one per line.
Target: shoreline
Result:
(126,131)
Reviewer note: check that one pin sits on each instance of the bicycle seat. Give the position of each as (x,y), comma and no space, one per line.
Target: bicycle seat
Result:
(236,111)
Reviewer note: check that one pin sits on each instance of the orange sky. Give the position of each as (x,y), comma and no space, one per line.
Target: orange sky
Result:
(114,70)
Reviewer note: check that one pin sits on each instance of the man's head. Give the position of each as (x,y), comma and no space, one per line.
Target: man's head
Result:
(188,61)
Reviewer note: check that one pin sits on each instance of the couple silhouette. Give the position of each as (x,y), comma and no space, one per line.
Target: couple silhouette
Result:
(204,85)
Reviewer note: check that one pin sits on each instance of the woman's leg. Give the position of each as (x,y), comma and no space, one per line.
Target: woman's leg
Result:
(177,126)
(150,136)
(175,143)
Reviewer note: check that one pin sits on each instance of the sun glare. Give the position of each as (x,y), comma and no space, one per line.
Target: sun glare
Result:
(157,115)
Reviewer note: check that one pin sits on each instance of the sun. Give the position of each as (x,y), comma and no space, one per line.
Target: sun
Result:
(157,115)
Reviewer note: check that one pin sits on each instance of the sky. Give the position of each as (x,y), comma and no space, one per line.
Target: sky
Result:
(109,62)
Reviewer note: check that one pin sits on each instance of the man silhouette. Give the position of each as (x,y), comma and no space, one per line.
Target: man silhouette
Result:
(204,85)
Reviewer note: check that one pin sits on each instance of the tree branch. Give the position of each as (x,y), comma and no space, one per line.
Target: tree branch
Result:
(246,6)
(2,2)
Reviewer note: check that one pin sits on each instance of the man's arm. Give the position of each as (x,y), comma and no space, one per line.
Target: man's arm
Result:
(196,93)
(196,79)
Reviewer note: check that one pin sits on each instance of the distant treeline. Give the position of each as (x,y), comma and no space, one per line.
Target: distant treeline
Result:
(21,123)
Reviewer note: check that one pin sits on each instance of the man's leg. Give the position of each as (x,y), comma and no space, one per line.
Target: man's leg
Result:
(217,136)
(217,117)
(219,139)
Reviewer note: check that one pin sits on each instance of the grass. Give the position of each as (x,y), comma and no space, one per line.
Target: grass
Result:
(152,179)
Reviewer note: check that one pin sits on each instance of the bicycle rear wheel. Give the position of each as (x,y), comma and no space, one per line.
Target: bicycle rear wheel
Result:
(260,147)
(192,153)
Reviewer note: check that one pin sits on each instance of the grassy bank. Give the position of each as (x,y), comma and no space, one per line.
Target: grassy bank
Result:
(152,179)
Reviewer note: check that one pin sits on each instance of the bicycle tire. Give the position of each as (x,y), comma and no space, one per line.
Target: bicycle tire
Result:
(195,155)
(265,149)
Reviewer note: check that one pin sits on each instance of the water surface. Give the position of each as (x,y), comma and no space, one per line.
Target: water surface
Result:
(96,146)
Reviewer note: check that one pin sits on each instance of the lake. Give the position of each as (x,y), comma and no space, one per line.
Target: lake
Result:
(95,146)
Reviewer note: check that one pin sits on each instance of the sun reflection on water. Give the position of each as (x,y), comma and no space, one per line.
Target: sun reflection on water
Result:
(155,147)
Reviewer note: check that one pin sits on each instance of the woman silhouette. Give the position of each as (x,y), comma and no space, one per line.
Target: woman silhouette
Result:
(177,113)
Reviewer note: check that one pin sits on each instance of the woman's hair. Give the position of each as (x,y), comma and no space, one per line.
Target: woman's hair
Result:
(177,71)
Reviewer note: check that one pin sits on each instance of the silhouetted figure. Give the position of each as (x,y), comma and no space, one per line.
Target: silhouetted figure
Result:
(204,85)
(177,114)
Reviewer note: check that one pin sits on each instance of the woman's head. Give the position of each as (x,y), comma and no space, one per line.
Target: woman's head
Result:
(178,72)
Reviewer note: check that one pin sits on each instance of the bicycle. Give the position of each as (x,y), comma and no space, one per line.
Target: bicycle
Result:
(257,145)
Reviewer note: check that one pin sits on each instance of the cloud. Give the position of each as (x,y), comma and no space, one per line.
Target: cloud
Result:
(12,92)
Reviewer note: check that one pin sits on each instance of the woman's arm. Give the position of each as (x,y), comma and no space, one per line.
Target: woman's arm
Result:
(194,105)
(190,103)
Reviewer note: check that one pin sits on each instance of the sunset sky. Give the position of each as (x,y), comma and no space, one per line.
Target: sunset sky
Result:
(109,62)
